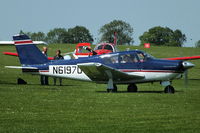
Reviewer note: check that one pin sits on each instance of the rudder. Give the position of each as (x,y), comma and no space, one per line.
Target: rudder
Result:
(28,53)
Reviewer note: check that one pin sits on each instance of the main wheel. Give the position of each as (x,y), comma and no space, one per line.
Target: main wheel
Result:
(169,89)
(132,88)
(114,89)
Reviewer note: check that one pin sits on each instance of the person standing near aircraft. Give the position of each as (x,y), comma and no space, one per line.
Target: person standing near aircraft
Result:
(58,57)
(44,79)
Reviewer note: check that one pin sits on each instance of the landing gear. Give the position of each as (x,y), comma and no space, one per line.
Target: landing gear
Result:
(132,88)
(169,89)
(114,88)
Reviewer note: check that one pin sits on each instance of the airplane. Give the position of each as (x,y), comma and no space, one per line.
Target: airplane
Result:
(84,49)
(126,67)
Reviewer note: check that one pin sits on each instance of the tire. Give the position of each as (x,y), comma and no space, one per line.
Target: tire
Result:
(132,88)
(169,89)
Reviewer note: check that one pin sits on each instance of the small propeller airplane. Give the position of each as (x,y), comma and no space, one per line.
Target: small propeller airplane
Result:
(126,67)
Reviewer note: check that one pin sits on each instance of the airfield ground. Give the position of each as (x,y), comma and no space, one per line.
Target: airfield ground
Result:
(86,107)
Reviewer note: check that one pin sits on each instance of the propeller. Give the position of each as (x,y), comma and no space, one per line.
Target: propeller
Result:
(186,65)
(186,78)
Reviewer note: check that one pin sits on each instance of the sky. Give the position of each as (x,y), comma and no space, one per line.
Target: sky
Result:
(43,15)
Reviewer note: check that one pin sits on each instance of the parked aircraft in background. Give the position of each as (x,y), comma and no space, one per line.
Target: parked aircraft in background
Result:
(84,49)
(126,67)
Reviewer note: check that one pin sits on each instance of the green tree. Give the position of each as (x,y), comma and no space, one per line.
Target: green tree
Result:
(35,36)
(197,44)
(123,29)
(38,36)
(57,35)
(163,36)
(78,34)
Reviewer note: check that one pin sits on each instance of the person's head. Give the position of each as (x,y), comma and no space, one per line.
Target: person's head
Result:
(45,49)
(58,52)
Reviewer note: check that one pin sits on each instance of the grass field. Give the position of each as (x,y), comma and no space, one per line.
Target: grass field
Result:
(86,107)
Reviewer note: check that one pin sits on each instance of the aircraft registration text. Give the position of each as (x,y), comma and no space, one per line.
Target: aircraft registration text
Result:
(65,69)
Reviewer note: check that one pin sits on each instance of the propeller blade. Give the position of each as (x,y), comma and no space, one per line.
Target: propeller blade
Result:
(186,78)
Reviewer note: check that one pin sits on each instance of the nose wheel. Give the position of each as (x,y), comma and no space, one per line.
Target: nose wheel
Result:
(169,89)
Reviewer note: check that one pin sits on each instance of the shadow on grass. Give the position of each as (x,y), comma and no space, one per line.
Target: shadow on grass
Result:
(29,84)
(7,83)
(137,92)
(194,79)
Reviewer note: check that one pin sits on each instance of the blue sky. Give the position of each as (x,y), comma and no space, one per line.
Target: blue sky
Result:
(43,15)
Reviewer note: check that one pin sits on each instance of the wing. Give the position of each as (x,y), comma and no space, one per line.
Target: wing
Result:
(10,53)
(184,58)
(24,69)
(16,54)
(99,72)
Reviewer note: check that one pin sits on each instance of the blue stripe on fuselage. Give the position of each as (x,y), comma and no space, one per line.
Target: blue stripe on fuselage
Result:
(151,64)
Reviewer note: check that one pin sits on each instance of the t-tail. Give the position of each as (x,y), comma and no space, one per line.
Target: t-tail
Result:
(28,53)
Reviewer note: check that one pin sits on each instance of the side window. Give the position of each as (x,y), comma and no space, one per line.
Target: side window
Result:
(99,47)
(128,58)
(141,57)
(81,50)
(111,60)
(108,47)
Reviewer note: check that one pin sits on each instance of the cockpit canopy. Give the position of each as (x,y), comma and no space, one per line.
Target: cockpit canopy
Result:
(106,46)
(126,57)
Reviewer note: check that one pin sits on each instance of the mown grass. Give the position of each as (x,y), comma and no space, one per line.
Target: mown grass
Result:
(86,107)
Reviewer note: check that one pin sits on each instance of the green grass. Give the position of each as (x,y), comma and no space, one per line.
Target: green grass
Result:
(86,107)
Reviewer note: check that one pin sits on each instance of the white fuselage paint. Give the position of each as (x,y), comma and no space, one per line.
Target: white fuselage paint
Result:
(74,72)
(66,71)
(156,76)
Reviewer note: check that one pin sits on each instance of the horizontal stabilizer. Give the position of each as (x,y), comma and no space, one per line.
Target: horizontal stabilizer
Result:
(20,67)
(24,68)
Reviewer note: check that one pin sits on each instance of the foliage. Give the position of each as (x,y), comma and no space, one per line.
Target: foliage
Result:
(163,36)
(78,34)
(56,35)
(35,36)
(197,44)
(123,29)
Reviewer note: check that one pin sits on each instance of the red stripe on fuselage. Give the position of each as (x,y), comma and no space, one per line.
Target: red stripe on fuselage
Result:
(44,70)
(23,42)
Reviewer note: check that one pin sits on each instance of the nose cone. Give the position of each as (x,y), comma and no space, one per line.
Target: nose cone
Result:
(187,65)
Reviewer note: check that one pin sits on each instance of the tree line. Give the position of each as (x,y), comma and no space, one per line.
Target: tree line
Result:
(159,36)
(77,34)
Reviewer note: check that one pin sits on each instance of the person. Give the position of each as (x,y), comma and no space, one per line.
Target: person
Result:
(44,79)
(58,57)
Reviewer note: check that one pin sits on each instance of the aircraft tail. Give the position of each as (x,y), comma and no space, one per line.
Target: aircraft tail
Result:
(28,53)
